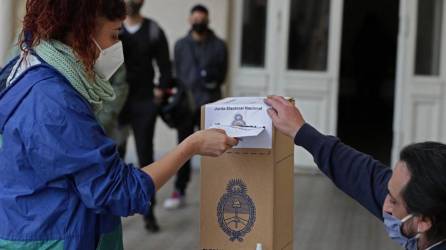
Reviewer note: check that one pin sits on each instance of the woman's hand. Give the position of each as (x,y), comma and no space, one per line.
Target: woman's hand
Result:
(211,142)
(286,117)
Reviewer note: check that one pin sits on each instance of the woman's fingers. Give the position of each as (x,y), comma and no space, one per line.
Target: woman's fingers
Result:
(218,130)
(214,142)
(231,141)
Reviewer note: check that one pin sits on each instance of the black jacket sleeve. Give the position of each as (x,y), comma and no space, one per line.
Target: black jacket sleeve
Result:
(217,73)
(162,58)
(177,59)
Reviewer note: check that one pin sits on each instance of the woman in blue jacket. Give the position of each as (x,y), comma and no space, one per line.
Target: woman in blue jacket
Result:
(62,183)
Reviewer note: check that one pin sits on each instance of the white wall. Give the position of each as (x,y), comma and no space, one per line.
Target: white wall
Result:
(173,15)
(6,28)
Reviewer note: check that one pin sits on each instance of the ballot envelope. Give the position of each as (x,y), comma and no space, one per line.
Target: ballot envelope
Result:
(247,193)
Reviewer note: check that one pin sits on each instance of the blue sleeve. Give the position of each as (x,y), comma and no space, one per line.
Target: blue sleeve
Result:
(66,141)
(355,173)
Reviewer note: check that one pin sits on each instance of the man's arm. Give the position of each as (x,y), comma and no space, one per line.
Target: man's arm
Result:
(355,173)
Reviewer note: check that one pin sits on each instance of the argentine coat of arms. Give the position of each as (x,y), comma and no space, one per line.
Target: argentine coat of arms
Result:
(236,212)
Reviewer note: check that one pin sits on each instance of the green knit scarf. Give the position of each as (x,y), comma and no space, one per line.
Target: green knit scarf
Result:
(63,59)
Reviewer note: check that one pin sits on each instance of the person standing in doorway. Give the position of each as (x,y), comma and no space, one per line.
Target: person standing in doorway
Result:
(201,64)
(144,43)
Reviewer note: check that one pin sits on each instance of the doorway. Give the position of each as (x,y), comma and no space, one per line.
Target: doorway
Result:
(368,76)
(291,48)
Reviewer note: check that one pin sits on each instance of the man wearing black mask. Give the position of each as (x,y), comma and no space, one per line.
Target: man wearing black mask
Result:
(201,66)
(144,42)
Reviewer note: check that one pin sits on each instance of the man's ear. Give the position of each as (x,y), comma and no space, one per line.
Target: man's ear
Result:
(424,224)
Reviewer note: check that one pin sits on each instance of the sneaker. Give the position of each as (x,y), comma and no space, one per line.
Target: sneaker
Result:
(175,201)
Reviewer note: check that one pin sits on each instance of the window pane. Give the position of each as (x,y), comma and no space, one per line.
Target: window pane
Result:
(429,37)
(254,33)
(308,35)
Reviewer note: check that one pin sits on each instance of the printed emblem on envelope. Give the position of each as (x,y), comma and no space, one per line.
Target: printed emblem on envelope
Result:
(236,211)
(238,121)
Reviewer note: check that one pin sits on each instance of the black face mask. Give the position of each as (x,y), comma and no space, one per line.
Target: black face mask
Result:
(200,28)
(133,8)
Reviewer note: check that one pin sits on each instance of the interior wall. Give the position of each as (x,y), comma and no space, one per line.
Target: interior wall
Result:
(7,24)
(173,15)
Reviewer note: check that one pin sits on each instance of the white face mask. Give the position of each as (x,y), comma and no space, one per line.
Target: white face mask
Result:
(109,60)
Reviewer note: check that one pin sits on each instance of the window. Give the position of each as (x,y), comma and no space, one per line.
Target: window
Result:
(254,33)
(308,35)
(428,50)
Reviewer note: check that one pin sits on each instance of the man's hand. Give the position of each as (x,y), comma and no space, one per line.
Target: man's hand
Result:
(286,117)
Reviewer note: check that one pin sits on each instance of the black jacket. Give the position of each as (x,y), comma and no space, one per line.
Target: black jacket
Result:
(202,66)
(148,44)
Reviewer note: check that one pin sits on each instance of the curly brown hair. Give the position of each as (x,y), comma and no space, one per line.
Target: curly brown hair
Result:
(55,19)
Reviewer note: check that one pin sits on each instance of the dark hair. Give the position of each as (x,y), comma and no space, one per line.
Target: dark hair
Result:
(46,19)
(199,8)
(425,193)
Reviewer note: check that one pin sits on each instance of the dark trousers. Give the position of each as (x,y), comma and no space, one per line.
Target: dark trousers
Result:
(186,129)
(142,116)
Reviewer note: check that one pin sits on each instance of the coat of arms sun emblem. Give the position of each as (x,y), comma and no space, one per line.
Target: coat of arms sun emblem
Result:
(236,211)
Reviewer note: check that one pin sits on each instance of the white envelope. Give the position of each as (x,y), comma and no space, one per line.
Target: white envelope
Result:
(238,131)
(245,118)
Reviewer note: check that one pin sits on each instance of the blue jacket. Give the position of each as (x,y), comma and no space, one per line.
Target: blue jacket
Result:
(356,174)
(62,183)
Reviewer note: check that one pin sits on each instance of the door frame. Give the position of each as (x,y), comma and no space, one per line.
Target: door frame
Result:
(414,91)
(313,87)
(306,78)
(405,93)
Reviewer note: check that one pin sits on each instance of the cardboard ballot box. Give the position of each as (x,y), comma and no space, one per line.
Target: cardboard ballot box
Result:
(247,193)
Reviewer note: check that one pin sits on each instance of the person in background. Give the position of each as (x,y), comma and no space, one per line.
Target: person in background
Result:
(410,200)
(144,42)
(63,184)
(201,63)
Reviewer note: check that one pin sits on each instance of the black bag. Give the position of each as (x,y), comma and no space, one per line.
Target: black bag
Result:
(178,105)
